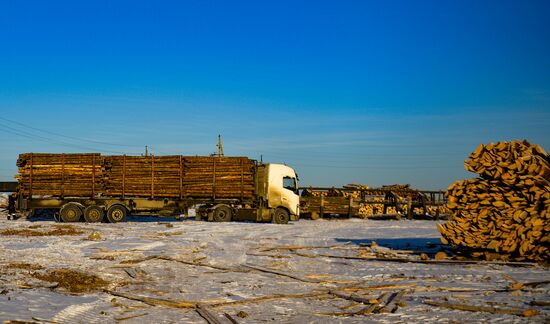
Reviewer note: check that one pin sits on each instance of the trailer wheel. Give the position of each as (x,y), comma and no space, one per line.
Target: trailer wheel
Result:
(116,214)
(281,216)
(222,214)
(70,213)
(94,214)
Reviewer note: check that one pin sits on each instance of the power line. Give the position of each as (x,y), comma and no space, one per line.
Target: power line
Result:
(66,136)
(25,134)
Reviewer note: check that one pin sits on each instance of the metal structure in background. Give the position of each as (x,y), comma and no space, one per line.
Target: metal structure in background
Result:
(220,146)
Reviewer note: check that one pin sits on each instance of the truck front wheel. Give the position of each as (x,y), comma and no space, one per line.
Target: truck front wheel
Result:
(222,214)
(281,216)
(116,214)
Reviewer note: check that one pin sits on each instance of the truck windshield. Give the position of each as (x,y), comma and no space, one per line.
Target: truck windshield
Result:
(289,183)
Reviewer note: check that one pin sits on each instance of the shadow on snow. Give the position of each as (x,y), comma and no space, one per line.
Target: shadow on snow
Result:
(416,245)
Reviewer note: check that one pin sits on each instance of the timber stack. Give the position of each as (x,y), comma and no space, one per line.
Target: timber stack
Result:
(60,174)
(90,174)
(179,176)
(371,208)
(139,176)
(506,212)
(221,177)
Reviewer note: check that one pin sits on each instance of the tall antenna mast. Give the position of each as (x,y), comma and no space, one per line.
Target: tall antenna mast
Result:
(220,147)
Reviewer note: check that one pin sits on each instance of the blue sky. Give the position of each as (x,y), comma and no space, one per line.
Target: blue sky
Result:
(373,92)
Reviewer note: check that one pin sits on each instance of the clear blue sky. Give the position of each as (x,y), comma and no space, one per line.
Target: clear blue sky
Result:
(373,92)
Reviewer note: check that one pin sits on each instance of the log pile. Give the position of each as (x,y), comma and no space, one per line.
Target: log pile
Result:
(60,175)
(179,176)
(370,209)
(373,203)
(139,176)
(89,174)
(354,190)
(364,201)
(506,212)
(437,210)
(318,194)
(220,177)
(328,205)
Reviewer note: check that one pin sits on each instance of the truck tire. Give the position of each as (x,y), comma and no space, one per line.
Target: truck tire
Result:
(281,216)
(116,214)
(94,214)
(222,214)
(70,213)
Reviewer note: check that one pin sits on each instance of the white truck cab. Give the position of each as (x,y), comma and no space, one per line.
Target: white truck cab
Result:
(277,184)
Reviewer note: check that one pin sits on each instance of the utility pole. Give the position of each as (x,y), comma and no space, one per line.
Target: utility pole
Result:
(220,147)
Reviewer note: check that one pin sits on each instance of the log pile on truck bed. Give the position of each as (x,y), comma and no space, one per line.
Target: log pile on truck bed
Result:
(505,213)
(179,176)
(173,176)
(137,176)
(221,177)
(60,174)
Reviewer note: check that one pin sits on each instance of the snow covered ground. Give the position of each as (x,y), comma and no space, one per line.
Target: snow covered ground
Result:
(157,270)
(3,200)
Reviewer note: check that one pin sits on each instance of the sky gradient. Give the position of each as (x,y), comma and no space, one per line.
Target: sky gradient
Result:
(372,92)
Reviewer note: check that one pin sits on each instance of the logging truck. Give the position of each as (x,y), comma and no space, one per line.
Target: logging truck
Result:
(95,188)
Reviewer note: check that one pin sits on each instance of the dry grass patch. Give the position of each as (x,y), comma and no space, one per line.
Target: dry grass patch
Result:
(73,281)
(58,230)
(23,266)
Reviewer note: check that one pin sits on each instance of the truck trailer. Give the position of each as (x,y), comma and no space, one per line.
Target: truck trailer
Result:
(386,202)
(96,188)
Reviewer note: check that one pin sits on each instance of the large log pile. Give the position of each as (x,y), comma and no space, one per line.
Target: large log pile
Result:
(60,175)
(506,212)
(179,176)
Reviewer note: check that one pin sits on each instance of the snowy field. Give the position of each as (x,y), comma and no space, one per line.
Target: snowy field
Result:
(152,270)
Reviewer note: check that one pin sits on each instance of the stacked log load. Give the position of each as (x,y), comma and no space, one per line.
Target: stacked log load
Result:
(89,174)
(222,177)
(179,176)
(138,176)
(60,175)
(506,212)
